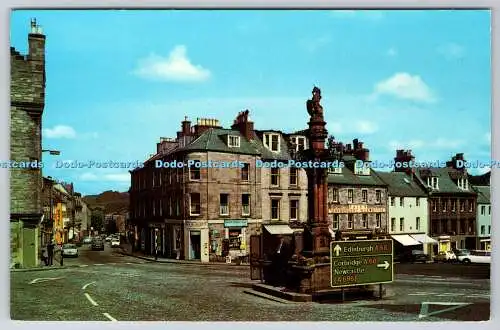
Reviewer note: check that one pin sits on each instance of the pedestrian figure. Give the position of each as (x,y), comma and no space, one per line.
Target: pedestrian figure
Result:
(61,261)
(50,254)
(45,256)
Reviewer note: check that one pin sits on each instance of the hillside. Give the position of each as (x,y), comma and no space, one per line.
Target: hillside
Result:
(111,201)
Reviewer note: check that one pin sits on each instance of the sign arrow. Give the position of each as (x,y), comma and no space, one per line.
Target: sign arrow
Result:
(337,250)
(385,265)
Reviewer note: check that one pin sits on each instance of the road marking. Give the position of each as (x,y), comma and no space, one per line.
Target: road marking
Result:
(98,264)
(420,294)
(450,294)
(45,279)
(129,263)
(109,317)
(90,299)
(86,285)
(84,265)
(424,310)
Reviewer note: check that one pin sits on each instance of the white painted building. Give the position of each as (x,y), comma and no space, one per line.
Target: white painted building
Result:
(483,222)
(407,212)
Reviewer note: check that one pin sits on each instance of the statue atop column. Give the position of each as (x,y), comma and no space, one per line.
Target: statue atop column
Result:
(314,108)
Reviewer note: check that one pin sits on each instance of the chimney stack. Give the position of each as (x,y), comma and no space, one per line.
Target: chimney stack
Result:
(404,156)
(244,125)
(186,127)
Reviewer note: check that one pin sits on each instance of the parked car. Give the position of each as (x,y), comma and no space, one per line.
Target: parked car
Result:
(97,245)
(108,239)
(69,250)
(445,256)
(87,240)
(115,242)
(477,257)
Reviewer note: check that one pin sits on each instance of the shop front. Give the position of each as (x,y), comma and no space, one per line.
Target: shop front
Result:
(444,244)
(485,244)
(235,232)
(196,240)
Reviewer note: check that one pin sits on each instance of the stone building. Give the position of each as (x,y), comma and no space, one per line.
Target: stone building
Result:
(452,205)
(202,211)
(27,101)
(284,190)
(483,213)
(82,217)
(357,197)
(407,208)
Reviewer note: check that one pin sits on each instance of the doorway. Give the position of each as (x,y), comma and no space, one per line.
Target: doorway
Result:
(195,244)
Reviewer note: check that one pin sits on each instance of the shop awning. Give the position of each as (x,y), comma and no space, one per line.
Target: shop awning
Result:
(424,239)
(279,229)
(406,240)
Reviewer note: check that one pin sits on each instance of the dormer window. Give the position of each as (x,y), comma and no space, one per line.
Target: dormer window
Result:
(432,182)
(463,184)
(335,170)
(272,141)
(233,141)
(299,142)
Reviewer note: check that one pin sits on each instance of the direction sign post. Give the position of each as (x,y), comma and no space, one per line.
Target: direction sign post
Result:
(355,263)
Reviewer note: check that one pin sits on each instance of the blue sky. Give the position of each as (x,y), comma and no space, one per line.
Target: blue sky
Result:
(119,80)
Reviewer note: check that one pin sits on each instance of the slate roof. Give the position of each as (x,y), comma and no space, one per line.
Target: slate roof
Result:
(480,180)
(401,184)
(483,194)
(445,184)
(214,139)
(349,178)
(266,154)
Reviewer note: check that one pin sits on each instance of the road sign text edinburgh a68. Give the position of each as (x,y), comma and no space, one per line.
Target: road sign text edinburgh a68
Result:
(356,263)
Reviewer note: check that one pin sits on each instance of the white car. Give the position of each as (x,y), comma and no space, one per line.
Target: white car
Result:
(446,256)
(69,250)
(115,242)
(87,240)
(476,257)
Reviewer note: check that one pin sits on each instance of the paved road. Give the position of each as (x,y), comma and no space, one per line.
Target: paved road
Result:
(109,286)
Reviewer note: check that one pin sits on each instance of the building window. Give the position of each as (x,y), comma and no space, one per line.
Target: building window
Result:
(378,196)
(471,206)
(401,201)
(417,201)
(462,205)
(161,206)
(417,223)
(444,205)
(275,209)
(453,205)
(272,142)
(245,172)
(301,143)
(489,230)
(245,204)
(350,221)
(401,224)
(178,175)
(293,176)
(154,175)
(233,141)
(434,206)
(194,204)
(350,196)
(335,170)
(364,195)
(378,220)
(194,171)
(489,210)
(364,221)
(154,208)
(224,204)
(336,221)
(393,201)
(170,208)
(335,195)
(275,176)
(483,229)
(294,209)
(178,206)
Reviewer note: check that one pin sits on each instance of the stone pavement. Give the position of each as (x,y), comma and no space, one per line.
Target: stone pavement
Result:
(126,249)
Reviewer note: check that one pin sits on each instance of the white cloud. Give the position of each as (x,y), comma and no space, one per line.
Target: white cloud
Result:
(365,127)
(451,50)
(176,67)
(392,52)
(371,15)
(122,177)
(59,132)
(88,176)
(443,143)
(405,86)
(313,44)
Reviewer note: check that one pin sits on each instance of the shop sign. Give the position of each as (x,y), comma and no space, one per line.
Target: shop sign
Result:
(235,223)
(356,208)
(196,224)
